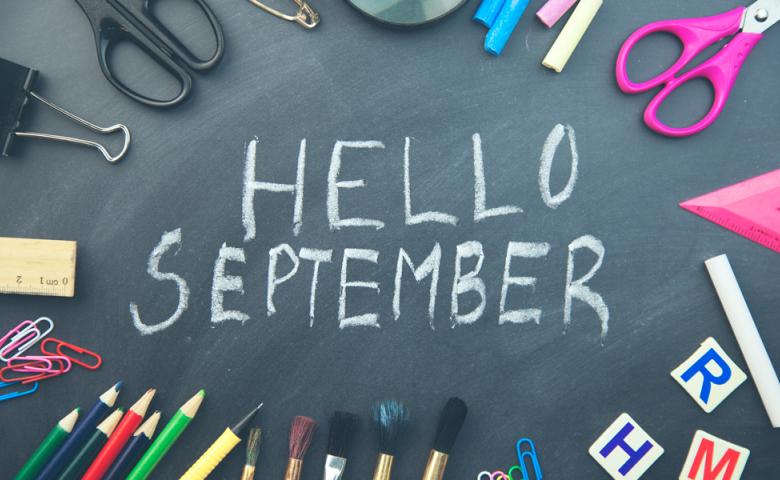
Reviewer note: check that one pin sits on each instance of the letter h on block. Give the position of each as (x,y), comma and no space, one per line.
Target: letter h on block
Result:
(709,375)
(625,450)
(711,458)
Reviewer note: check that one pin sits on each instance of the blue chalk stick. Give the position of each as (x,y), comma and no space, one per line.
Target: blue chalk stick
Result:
(504,25)
(488,11)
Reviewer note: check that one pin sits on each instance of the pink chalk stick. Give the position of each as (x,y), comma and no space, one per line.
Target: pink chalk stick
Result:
(750,208)
(553,10)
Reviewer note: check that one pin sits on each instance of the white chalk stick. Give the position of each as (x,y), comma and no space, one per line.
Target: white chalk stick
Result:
(749,339)
(572,33)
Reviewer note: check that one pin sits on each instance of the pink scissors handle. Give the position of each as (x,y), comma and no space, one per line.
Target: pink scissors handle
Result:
(696,35)
(721,70)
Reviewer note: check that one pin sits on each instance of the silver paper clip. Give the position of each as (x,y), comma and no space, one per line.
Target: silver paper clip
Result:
(305,16)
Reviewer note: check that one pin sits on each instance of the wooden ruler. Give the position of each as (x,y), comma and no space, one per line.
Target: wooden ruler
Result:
(37,267)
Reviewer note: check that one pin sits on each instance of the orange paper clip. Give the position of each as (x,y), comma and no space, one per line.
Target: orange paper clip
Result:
(63,347)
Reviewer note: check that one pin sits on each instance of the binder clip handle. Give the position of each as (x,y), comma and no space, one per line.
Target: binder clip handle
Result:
(80,141)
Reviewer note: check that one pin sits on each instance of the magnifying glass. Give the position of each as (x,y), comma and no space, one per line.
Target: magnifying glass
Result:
(407,13)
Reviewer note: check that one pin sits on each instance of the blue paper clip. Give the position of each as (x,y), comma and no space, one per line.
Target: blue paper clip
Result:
(531,454)
(9,396)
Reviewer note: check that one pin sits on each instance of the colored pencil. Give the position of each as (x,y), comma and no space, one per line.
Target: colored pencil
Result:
(219,449)
(129,424)
(83,457)
(48,446)
(134,449)
(167,438)
(84,429)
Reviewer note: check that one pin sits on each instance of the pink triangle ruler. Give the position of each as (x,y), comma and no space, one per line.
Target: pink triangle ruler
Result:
(750,208)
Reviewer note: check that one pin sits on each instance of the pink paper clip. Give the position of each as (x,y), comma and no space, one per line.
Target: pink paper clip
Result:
(63,347)
(24,338)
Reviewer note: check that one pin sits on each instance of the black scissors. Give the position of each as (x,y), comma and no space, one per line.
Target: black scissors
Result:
(114,21)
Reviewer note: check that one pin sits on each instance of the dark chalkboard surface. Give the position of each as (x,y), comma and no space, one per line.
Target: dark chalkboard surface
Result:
(353,80)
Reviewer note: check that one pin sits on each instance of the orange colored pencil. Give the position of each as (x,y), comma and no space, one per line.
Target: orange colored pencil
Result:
(129,424)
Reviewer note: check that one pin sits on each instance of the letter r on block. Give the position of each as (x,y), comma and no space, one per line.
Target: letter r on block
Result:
(625,450)
(709,375)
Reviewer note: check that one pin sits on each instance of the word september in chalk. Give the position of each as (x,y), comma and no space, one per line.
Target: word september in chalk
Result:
(465,280)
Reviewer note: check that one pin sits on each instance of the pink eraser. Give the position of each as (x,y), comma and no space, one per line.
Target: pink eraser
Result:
(553,10)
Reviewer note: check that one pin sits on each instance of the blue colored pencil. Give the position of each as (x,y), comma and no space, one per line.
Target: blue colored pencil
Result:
(84,429)
(132,452)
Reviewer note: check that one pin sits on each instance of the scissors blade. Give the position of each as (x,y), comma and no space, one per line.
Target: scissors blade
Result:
(761,16)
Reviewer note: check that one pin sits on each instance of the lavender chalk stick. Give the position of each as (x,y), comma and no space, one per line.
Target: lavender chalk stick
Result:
(505,24)
(488,11)
(553,10)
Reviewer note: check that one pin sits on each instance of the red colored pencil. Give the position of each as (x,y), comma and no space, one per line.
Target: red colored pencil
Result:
(129,424)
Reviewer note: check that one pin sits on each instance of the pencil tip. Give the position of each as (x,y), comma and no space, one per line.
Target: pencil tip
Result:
(244,421)
(118,385)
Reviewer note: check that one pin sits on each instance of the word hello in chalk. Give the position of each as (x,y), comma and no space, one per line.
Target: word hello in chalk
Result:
(286,262)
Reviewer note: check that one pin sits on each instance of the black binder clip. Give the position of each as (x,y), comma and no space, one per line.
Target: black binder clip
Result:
(16,83)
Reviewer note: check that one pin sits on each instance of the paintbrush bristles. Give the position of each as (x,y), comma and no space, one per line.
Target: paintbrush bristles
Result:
(342,429)
(391,419)
(301,433)
(253,446)
(452,417)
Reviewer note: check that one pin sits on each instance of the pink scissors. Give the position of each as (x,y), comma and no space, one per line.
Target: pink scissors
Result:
(747,24)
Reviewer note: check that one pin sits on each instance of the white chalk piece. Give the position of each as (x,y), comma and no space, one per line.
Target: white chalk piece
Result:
(749,339)
(572,33)
(711,457)
(625,450)
(709,375)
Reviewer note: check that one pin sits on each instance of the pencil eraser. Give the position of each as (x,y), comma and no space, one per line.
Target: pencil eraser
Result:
(504,25)
(572,33)
(625,450)
(553,10)
(488,11)
(709,375)
(15,82)
(710,455)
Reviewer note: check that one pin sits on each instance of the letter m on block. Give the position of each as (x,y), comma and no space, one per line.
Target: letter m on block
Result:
(711,458)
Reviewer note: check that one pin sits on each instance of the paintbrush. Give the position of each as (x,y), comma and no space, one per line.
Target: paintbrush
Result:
(452,417)
(252,451)
(391,419)
(301,433)
(342,428)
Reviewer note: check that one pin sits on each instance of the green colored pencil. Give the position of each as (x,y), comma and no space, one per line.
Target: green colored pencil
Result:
(166,438)
(48,446)
(81,461)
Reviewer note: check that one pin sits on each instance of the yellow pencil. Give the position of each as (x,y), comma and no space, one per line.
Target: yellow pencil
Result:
(219,449)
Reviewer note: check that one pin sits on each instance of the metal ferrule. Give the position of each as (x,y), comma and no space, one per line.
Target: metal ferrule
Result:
(437,463)
(384,465)
(294,468)
(334,467)
(249,473)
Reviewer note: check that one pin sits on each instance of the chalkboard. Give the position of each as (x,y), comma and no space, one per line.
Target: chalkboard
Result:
(352,80)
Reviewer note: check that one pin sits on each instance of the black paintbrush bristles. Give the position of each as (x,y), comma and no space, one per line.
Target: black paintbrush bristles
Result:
(301,433)
(342,429)
(253,447)
(391,419)
(452,418)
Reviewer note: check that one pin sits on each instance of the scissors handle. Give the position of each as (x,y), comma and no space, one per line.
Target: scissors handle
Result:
(696,35)
(140,9)
(111,28)
(721,70)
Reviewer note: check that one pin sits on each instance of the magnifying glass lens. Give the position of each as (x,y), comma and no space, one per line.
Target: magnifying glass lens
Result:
(407,13)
